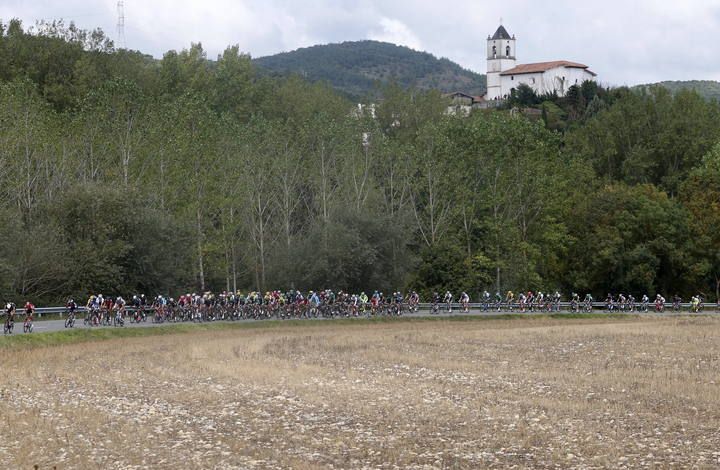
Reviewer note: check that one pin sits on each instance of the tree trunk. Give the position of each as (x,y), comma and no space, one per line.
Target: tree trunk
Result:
(201,266)
(261,246)
(227,268)
(233,259)
(162,184)
(466,227)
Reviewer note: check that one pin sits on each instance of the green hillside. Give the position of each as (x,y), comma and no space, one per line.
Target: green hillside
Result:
(355,68)
(708,89)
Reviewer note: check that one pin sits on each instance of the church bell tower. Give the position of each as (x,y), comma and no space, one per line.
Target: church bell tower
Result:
(500,57)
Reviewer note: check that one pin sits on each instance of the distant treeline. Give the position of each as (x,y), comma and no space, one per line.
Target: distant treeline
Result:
(120,174)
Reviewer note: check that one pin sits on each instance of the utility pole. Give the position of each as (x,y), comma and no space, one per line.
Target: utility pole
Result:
(121,25)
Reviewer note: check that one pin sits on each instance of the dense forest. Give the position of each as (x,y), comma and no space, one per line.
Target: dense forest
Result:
(708,89)
(121,174)
(358,69)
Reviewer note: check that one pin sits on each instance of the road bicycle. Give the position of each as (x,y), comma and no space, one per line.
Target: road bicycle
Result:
(9,326)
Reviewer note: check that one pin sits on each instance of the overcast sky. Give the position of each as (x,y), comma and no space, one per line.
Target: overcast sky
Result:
(624,41)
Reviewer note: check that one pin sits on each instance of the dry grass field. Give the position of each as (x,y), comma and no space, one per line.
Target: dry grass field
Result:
(535,393)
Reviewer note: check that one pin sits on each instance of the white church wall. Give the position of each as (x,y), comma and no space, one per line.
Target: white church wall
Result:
(558,79)
(533,80)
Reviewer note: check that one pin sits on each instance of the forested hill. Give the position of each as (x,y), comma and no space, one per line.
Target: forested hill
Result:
(708,89)
(355,68)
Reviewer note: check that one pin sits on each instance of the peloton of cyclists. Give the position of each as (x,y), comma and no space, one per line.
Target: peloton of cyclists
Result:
(232,305)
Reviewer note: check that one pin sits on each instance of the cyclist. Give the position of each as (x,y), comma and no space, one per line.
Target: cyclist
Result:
(435,302)
(659,303)
(91,303)
(10,317)
(677,300)
(588,302)
(29,309)
(119,308)
(695,304)
(71,306)
(574,302)
(314,302)
(106,309)
(100,300)
(631,303)
(509,298)
(465,302)
(530,300)
(375,302)
(485,301)
(414,301)
(29,312)
(644,303)
(93,307)
(622,301)
(354,303)
(363,301)
(610,303)
(522,301)
(398,300)
(556,300)
(448,299)
(498,301)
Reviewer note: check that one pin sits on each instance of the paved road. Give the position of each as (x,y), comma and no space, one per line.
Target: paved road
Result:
(45,326)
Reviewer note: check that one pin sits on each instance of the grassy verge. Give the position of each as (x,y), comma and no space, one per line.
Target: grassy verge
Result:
(57,338)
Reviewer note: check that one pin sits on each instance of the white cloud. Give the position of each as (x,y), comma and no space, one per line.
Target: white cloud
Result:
(397,32)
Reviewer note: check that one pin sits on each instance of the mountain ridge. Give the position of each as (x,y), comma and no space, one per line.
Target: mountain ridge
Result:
(356,68)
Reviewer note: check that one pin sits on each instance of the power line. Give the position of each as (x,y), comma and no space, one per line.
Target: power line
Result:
(121,24)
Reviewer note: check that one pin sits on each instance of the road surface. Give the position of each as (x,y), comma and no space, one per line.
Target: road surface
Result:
(46,326)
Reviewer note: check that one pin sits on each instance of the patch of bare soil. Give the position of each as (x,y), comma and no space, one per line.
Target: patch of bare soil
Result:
(504,394)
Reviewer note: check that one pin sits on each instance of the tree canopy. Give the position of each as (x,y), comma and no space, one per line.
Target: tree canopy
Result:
(120,174)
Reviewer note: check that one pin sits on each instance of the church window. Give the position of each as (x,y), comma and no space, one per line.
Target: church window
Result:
(532,80)
(512,77)
(494,51)
(507,51)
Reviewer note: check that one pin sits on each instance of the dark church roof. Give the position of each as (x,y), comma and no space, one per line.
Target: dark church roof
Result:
(501,33)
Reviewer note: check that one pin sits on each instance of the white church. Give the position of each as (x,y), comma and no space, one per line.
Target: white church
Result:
(504,74)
